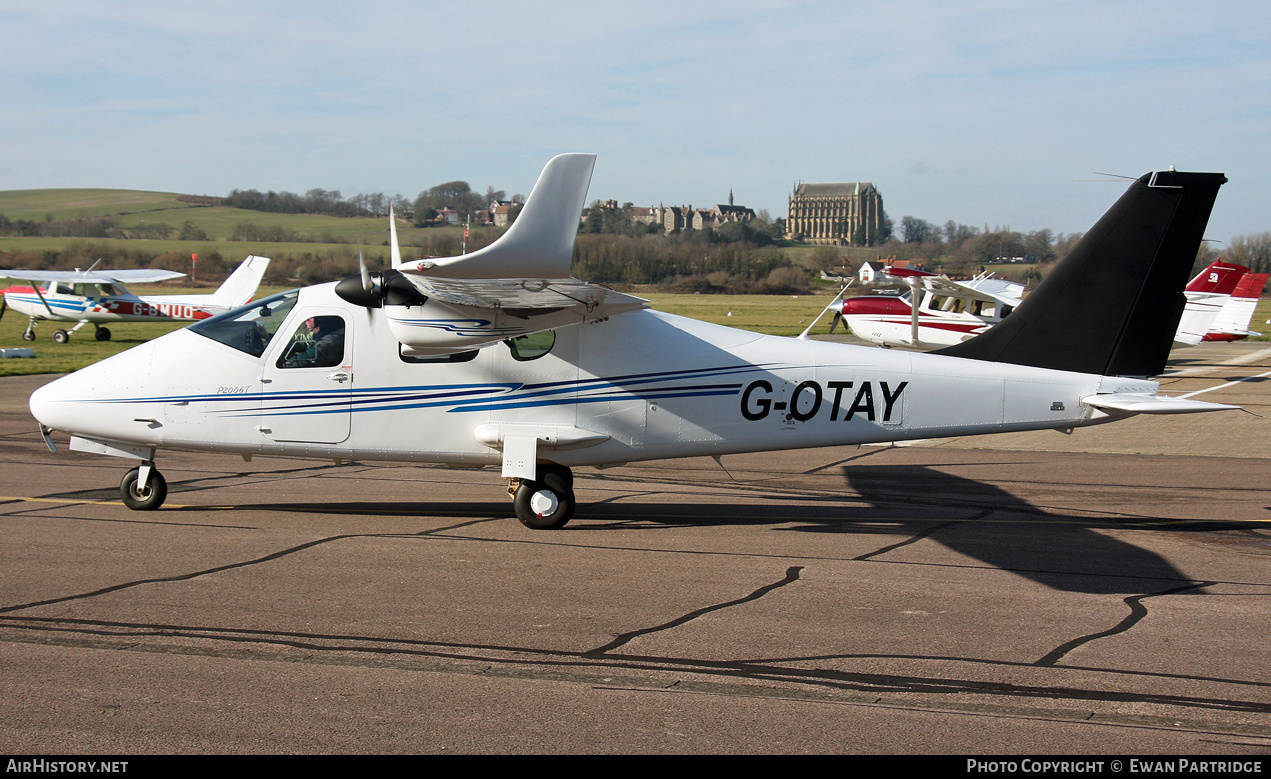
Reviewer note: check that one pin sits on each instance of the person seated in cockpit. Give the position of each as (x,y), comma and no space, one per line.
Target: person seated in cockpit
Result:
(321,347)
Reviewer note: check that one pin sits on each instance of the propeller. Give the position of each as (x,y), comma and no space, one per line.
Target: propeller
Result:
(379,289)
(838,313)
(3,306)
(382,288)
(835,322)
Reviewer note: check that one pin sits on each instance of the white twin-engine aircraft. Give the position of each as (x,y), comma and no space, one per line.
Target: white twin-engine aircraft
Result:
(99,297)
(500,357)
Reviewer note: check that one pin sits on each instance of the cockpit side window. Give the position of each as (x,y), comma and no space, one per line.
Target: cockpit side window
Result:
(249,328)
(317,343)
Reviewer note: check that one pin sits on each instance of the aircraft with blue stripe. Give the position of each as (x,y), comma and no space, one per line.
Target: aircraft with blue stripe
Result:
(501,358)
(99,297)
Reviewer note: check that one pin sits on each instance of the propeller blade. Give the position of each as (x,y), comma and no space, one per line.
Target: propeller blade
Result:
(835,322)
(396,256)
(367,286)
(3,306)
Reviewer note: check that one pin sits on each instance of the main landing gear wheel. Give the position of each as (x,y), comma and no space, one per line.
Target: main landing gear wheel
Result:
(143,497)
(103,334)
(61,336)
(546,503)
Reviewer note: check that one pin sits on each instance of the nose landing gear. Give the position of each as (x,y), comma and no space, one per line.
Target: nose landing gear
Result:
(144,488)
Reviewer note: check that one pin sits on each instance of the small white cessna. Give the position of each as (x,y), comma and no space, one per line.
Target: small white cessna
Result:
(948,312)
(99,296)
(500,357)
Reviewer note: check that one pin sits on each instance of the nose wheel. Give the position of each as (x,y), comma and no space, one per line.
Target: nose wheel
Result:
(545,503)
(143,489)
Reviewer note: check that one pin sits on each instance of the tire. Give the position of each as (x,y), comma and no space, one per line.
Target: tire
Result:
(147,499)
(61,336)
(545,505)
(103,334)
(28,336)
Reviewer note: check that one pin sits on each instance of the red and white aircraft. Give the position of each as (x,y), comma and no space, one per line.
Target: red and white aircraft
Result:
(96,297)
(948,312)
(1220,303)
(1219,307)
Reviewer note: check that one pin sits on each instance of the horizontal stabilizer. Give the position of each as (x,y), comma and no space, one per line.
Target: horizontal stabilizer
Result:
(1152,404)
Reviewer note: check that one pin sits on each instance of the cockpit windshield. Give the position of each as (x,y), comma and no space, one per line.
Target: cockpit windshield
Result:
(249,328)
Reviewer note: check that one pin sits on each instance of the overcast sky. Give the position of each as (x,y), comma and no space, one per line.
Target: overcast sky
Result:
(997,112)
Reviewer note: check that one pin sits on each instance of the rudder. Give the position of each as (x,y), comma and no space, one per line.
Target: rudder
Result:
(1111,307)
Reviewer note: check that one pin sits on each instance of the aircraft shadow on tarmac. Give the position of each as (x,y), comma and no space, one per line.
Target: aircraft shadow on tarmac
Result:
(912,504)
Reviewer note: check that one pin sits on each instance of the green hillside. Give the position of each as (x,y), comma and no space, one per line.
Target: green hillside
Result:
(306,248)
(36,204)
(131,208)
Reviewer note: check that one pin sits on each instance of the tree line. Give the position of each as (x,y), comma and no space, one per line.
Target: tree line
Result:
(97,227)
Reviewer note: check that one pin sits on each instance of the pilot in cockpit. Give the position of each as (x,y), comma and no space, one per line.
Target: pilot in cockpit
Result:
(321,347)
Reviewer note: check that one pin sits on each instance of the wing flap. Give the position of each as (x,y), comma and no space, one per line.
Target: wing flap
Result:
(525,296)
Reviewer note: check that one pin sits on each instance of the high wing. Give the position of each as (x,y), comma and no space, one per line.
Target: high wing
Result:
(983,288)
(135,276)
(516,286)
(527,297)
(944,286)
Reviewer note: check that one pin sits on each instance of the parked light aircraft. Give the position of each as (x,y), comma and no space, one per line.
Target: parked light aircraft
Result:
(1220,304)
(500,357)
(99,296)
(950,312)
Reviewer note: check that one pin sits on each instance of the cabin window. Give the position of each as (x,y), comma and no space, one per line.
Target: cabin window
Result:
(436,358)
(532,346)
(249,328)
(317,343)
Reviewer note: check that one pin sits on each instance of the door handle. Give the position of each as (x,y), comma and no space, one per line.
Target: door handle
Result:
(339,376)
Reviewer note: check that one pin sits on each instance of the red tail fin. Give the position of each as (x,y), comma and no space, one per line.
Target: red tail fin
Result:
(1219,278)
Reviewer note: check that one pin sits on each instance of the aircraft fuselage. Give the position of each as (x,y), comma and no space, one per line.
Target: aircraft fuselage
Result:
(88,308)
(642,385)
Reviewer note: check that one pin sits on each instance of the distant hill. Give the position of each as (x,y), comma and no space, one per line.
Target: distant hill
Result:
(37,204)
(134,208)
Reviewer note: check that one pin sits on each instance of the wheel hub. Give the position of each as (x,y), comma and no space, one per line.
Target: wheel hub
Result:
(544,503)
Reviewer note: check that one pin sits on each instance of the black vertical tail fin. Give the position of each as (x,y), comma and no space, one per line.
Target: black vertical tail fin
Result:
(1112,305)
